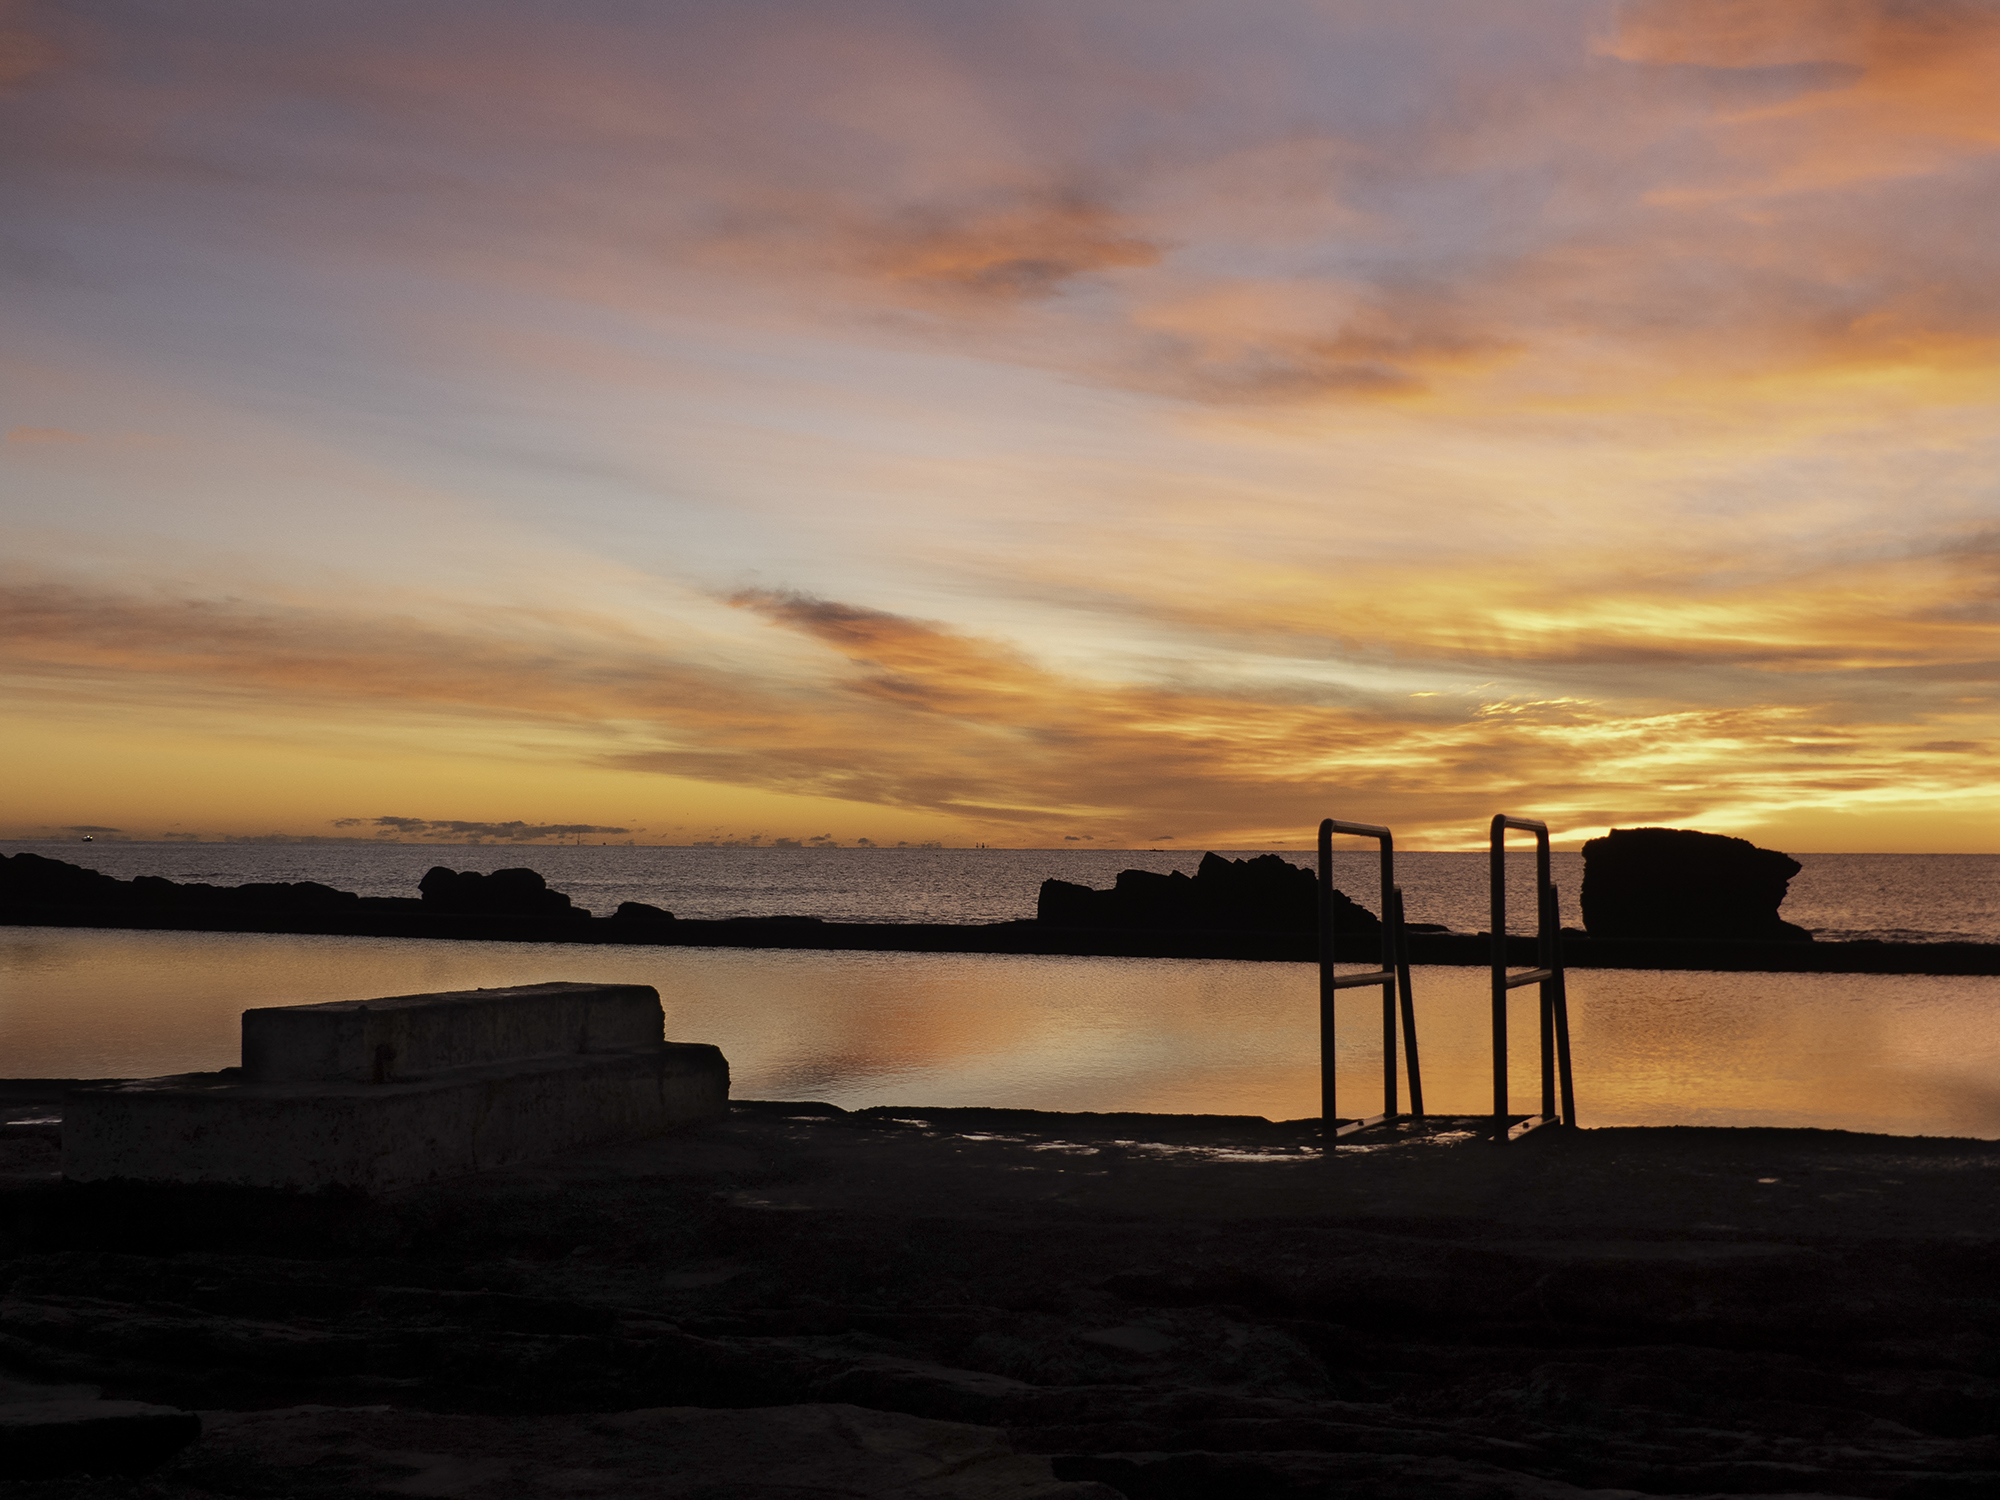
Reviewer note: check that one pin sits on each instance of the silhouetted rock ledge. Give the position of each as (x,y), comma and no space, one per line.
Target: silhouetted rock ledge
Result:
(28,879)
(641,911)
(504,893)
(951,1303)
(41,894)
(1266,893)
(1682,883)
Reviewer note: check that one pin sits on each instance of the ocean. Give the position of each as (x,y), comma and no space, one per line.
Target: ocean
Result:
(1898,1054)
(1902,897)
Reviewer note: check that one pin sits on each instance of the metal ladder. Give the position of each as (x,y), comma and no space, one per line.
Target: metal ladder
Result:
(1547,974)
(1393,976)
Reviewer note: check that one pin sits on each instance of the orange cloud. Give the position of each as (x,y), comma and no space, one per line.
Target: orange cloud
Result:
(25,51)
(1890,37)
(1284,341)
(907,715)
(946,255)
(1905,86)
(1597,613)
(1029,250)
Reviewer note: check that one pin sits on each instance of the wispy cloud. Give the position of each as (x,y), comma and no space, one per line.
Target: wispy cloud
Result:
(1011,248)
(901,713)
(1036,419)
(25,48)
(510,831)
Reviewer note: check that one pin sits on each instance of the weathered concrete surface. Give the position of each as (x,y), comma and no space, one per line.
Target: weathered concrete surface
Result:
(216,1128)
(410,1036)
(380,1094)
(1181,1309)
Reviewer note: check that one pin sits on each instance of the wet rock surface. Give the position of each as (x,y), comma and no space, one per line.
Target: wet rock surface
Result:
(1137,1305)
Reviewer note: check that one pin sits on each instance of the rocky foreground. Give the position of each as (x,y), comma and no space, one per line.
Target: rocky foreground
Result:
(945,1303)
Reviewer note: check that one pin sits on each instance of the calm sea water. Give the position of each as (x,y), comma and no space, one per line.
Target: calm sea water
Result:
(1909,897)
(1903,1054)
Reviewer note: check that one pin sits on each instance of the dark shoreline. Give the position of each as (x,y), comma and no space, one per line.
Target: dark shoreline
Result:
(1031,938)
(965,1303)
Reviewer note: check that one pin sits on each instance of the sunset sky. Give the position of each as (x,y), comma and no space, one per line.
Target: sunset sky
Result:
(1131,422)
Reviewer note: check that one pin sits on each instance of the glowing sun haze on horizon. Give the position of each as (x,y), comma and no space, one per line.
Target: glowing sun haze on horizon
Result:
(1009,422)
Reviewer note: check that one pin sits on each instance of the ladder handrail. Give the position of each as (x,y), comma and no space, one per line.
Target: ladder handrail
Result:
(1393,976)
(1547,975)
(1409,1010)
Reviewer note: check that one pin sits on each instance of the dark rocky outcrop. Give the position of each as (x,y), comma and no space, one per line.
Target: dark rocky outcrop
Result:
(1265,894)
(641,911)
(35,880)
(504,893)
(1681,883)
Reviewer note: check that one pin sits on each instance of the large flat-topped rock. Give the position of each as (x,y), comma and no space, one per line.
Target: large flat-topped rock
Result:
(413,1036)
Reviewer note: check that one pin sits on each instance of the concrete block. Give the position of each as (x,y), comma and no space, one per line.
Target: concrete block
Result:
(414,1036)
(378,1094)
(220,1128)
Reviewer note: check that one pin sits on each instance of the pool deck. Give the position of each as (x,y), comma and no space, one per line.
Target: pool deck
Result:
(1053,1305)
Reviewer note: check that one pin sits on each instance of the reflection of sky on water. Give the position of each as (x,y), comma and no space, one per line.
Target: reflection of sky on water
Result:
(1901,1053)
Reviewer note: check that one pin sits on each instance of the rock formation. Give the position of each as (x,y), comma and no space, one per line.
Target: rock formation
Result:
(504,893)
(35,880)
(1265,894)
(641,911)
(1680,883)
